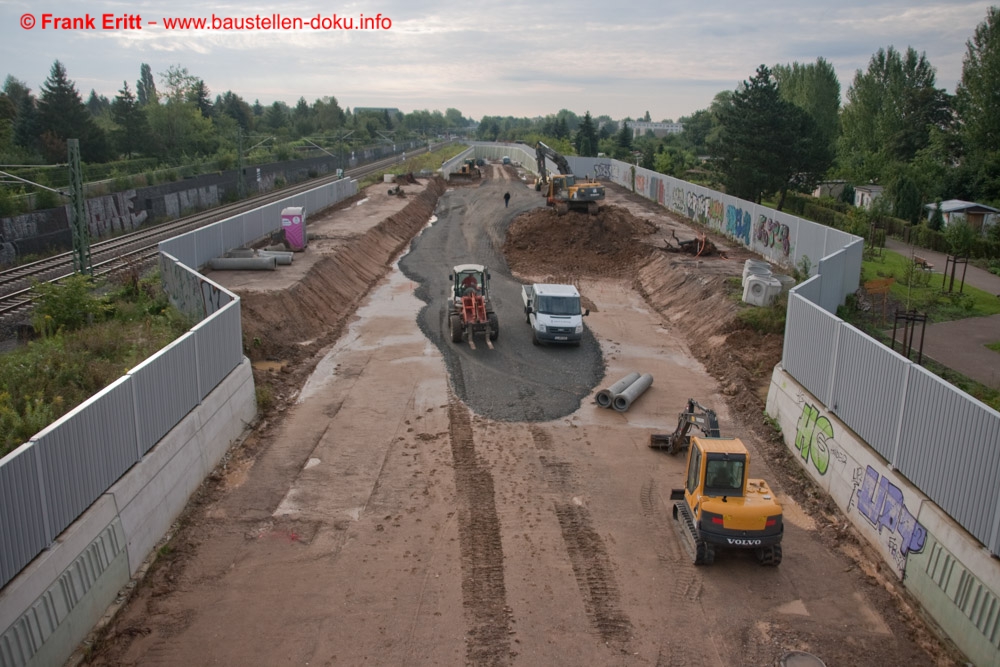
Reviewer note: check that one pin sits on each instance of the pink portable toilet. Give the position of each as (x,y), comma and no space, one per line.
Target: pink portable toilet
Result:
(293,222)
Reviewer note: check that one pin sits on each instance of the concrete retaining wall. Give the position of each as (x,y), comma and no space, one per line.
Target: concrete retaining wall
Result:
(51,606)
(948,571)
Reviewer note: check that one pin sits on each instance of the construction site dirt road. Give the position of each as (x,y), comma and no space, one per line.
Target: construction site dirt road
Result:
(407,500)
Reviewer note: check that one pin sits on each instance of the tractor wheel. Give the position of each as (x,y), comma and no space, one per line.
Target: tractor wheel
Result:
(494,326)
(770,556)
(456,328)
(562,208)
(704,553)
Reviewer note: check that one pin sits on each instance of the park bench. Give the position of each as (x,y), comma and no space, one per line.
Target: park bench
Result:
(923,263)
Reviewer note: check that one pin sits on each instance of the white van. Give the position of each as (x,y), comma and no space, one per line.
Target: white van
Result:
(554,313)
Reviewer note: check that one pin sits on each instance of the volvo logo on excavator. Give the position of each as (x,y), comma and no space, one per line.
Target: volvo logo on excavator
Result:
(743,543)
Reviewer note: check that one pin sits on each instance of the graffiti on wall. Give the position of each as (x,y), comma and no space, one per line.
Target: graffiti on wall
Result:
(185,201)
(189,292)
(112,214)
(814,437)
(602,170)
(882,504)
(706,210)
(738,223)
(678,200)
(773,234)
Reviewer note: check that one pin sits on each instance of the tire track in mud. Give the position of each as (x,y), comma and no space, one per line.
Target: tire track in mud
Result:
(585,547)
(484,593)
(686,583)
(594,574)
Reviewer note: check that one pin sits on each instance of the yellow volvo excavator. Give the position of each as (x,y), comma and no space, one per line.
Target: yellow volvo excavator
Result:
(563,191)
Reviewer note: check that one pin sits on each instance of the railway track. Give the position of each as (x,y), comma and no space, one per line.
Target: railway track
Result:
(140,247)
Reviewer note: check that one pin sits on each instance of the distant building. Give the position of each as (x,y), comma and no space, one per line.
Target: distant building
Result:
(830,189)
(640,127)
(864,195)
(392,110)
(979,216)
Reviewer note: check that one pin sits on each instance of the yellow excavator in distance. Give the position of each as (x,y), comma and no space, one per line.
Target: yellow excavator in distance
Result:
(563,191)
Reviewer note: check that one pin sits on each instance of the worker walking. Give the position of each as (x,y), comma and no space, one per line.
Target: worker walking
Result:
(506,199)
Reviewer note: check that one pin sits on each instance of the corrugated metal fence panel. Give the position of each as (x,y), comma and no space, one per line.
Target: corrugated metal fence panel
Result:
(210,244)
(868,389)
(809,245)
(220,346)
(84,452)
(854,250)
(232,233)
(166,389)
(183,247)
(950,448)
(808,331)
(253,226)
(22,518)
(831,269)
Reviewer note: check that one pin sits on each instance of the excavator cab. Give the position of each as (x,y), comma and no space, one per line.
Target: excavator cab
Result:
(720,507)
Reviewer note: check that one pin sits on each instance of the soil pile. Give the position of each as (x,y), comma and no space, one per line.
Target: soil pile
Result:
(577,244)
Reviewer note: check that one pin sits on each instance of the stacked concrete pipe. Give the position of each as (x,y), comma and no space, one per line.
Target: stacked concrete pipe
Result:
(283,258)
(242,263)
(606,397)
(623,400)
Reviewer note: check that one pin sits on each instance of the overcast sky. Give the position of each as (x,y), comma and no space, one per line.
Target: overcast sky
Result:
(488,58)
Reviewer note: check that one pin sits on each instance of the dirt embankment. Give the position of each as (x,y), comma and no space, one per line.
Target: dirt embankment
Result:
(289,326)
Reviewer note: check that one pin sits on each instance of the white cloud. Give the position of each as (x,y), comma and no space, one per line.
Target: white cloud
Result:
(512,58)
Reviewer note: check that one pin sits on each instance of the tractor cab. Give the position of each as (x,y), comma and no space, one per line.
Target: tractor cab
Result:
(469,280)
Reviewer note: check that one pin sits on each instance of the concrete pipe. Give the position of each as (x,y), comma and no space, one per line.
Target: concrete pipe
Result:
(633,391)
(242,253)
(282,258)
(242,263)
(277,247)
(606,397)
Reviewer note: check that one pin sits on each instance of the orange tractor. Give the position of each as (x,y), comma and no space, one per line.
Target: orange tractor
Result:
(471,311)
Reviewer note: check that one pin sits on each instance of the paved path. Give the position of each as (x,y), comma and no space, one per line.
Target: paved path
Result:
(961,345)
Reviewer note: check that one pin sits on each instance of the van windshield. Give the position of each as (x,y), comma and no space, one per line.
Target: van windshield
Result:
(559,305)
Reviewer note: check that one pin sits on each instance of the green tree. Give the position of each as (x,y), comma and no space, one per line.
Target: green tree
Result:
(145,87)
(936,221)
(890,112)
(623,142)
(133,130)
(62,115)
(961,237)
(302,117)
(585,141)
(26,132)
(697,128)
(748,148)
(905,196)
(977,100)
(815,88)
(235,107)
(276,117)
(198,95)
(178,83)
(177,128)
(97,104)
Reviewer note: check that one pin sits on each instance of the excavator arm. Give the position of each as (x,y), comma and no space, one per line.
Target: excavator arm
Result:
(541,152)
(695,415)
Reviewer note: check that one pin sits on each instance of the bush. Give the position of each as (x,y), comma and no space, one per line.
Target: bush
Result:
(45,199)
(65,306)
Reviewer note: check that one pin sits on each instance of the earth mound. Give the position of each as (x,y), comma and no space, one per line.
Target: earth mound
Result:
(604,245)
